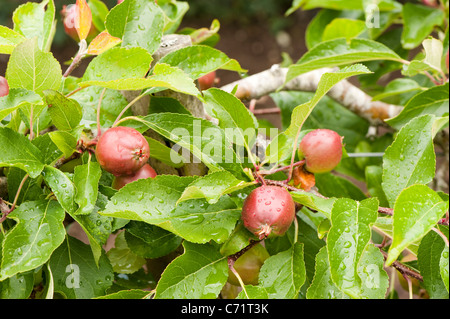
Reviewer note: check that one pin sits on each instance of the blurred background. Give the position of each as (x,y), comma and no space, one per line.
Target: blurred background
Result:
(255,32)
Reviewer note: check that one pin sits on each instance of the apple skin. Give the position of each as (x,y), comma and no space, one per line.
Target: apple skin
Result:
(248,266)
(122,150)
(4,87)
(268,210)
(145,171)
(431,3)
(322,150)
(207,81)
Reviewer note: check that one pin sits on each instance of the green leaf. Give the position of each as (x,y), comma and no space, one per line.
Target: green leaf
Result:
(18,286)
(340,5)
(347,241)
(15,99)
(198,60)
(174,12)
(126,294)
(323,205)
(112,104)
(62,187)
(154,201)
(327,81)
(410,159)
(150,241)
(75,272)
(48,149)
(429,257)
(198,222)
(317,25)
(32,69)
(38,232)
(122,63)
(338,52)
(207,142)
(283,274)
(432,101)
(326,114)
(31,188)
(385,225)
(98,228)
(213,186)
(233,116)
(331,185)
(322,287)
(66,113)
(373,176)
(419,22)
(343,28)
(443,265)
(122,259)
(9,39)
(86,178)
(417,209)
(253,292)
(164,77)
(200,273)
(173,78)
(397,87)
(65,141)
(148,200)
(99,12)
(17,151)
(374,279)
(164,154)
(36,20)
(139,23)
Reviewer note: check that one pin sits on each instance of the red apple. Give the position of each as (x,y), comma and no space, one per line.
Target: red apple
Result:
(145,171)
(322,150)
(4,87)
(268,210)
(122,150)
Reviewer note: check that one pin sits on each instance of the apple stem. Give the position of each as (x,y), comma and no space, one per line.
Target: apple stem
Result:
(8,211)
(276,170)
(77,59)
(234,271)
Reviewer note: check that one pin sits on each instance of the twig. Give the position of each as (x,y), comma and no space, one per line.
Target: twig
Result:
(272,110)
(7,212)
(270,81)
(64,160)
(82,51)
(235,256)
(276,170)
(126,108)
(404,270)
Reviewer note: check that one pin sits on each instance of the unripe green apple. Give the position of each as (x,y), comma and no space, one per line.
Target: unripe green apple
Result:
(248,266)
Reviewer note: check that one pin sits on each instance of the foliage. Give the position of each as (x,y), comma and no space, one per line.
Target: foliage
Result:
(377,212)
